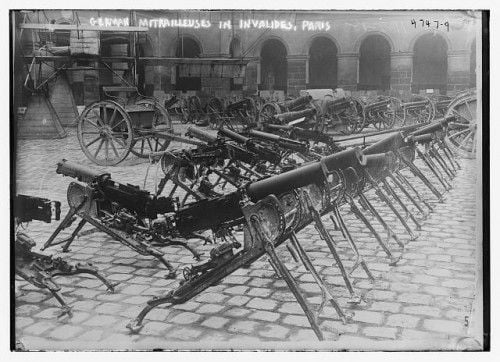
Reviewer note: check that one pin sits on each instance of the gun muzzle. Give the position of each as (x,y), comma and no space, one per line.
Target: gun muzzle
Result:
(313,173)
(424,138)
(81,173)
(284,142)
(201,135)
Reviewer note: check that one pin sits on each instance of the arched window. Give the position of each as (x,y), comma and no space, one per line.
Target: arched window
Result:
(322,64)
(188,74)
(374,63)
(273,68)
(235,48)
(430,63)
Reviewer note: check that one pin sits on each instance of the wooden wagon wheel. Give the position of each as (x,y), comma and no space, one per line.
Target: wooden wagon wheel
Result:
(150,139)
(194,108)
(461,134)
(215,110)
(268,111)
(105,133)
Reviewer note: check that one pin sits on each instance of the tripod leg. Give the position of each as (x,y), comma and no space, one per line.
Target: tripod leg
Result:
(63,225)
(75,232)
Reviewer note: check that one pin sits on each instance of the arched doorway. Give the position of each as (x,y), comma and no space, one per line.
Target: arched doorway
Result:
(273,65)
(188,74)
(322,64)
(472,82)
(430,63)
(374,63)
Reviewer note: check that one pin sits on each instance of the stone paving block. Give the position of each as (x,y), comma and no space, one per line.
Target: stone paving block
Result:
(290,308)
(415,298)
(236,312)
(238,289)
(109,308)
(458,283)
(210,308)
(383,332)
(368,317)
(296,320)
(65,332)
(238,300)
(274,332)
(385,307)
(92,335)
(259,292)
(185,318)
(444,326)
(134,289)
(21,322)
(261,303)
(247,327)
(38,328)
(215,298)
(422,310)
(100,321)
(381,295)
(265,316)
(215,322)
(402,320)
(188,306)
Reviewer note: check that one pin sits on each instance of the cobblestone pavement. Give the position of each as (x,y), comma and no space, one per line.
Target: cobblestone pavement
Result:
(424,302)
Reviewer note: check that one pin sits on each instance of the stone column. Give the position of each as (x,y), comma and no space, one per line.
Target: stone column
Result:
(296,74)
(401,72)
(347,71)
(458,70)
(252,76)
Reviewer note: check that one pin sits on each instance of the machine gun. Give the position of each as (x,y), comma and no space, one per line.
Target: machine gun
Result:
(36,268)
(260,151)
(269,217)
(130,215)
(304,134)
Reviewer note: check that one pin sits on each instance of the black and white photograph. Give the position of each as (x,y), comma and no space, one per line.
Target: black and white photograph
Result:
(248,179)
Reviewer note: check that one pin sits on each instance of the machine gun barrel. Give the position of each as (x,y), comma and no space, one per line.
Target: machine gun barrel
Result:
(390,143)
(313,173)
(126,196)
(434,126)
(282,141)
(81,173)
(200,134)
(292,116)
(252,146)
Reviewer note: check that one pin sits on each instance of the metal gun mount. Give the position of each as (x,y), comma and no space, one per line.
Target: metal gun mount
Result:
(39,269)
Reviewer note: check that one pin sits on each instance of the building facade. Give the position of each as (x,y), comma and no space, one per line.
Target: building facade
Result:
(218,53)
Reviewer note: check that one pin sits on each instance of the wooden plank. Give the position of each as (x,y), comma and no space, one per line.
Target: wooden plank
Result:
(52,27)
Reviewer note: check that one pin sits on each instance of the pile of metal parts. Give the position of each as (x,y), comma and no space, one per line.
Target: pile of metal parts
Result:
(40,269)
(255,191)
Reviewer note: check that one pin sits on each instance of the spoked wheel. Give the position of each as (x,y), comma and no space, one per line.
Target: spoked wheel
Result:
(215,109)
(351,118)
(151,140)
(427,113)
(268,111)
(105,133)
(461,134)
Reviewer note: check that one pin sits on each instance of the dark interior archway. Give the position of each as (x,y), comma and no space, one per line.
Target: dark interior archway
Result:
(144,49)
(374,63)
(430,63)
(187,75)
(273,68)
(322,64)
(235,51)
(473,64)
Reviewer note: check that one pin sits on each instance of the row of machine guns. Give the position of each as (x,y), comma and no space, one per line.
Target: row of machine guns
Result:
(269,184)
